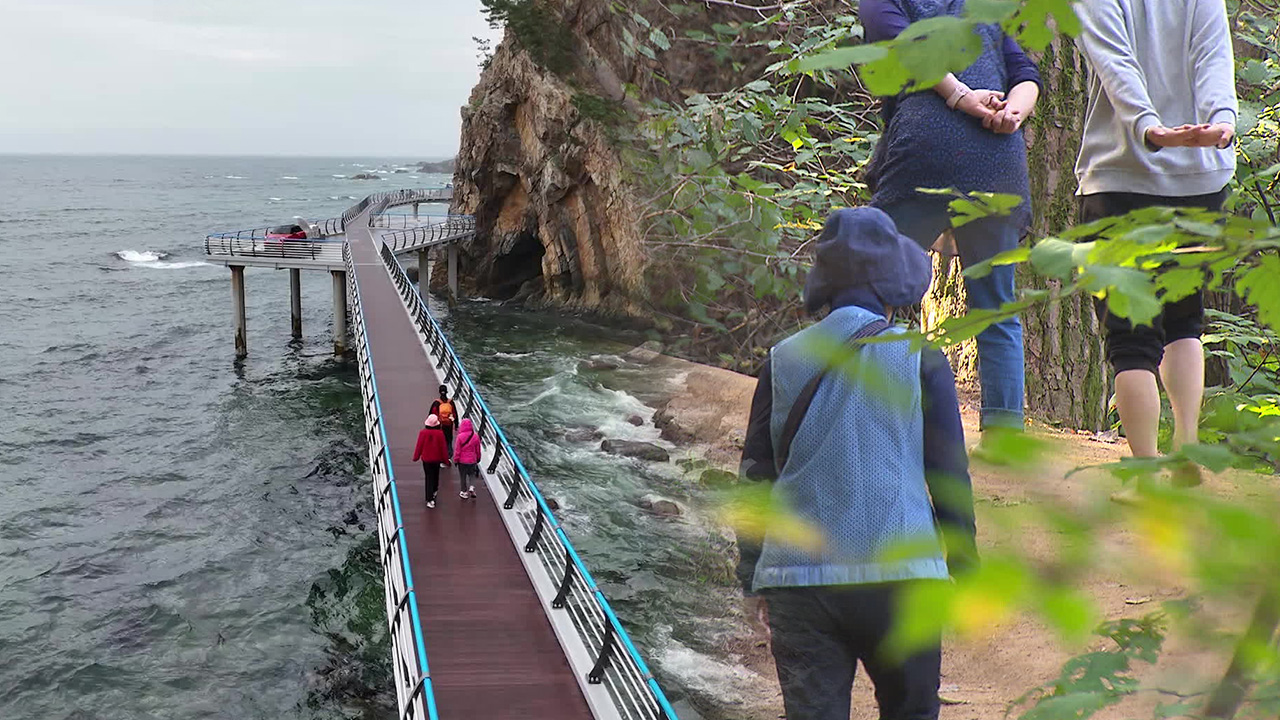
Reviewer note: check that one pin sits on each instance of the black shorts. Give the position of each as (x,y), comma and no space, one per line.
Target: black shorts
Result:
(1142,347)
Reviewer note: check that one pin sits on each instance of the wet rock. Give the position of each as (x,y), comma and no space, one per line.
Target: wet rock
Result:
(600,363)
(659,505)
(351,518)
(400,170)
(582,434)
(553,503)
(645,353)
(636,420)
(671,428)
(717,478)
(365,176)
(638,450)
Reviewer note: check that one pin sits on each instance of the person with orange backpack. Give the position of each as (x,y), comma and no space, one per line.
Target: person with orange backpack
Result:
(446,411)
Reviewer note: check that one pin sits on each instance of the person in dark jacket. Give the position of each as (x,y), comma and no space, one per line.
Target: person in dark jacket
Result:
(433,451)
(873,466)
(445,409)
(965,134)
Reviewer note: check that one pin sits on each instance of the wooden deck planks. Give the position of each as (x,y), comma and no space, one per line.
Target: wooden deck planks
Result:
(491,649)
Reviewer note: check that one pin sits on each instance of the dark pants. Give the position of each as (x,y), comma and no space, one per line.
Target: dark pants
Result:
(1142,347)
(820,634)
(431,471)
(448,437)
(468,473)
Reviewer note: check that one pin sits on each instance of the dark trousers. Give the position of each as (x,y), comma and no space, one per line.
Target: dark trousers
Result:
(468,473)
(1142,347)
(820,634)
(448,437)
(431,471)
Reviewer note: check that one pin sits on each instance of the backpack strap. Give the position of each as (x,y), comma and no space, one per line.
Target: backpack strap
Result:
(805,399)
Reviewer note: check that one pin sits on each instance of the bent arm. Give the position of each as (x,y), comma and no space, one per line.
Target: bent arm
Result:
(946,463)
(1104,39)
(1214,63)
(757,464)
(884,20)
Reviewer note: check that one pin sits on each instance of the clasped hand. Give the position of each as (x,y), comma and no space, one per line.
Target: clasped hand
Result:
(1218,135)
(996,113)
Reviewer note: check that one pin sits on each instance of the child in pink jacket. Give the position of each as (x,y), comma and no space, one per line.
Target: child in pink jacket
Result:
(466,453)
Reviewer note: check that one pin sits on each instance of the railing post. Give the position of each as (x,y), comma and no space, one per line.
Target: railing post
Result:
(565,582)
(596,676)
(295,301)
(536,535)
(339,311)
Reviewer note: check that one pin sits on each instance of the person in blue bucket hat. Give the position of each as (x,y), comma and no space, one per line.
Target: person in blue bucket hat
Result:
(873,461)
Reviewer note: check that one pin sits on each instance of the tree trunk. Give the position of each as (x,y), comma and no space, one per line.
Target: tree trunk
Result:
(1068,381)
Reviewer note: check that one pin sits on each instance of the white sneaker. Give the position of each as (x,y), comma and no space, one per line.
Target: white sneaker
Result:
(431,503)
(471,491)
(463,494)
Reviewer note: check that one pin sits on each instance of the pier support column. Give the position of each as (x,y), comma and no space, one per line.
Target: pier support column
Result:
(339,311)
(237,304)
(424,272)
(453,271)
(415,211)
(295,300)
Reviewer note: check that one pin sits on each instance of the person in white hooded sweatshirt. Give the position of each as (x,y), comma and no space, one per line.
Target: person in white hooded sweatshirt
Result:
(1159,131)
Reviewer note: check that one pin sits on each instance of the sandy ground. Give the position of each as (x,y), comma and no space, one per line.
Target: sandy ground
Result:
(982,676)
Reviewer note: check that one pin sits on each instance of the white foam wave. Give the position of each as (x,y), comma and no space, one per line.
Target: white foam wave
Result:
(288,177)
(730,684)
(339,176)
(155,260)
(234,177)
(511,356)
(274,199)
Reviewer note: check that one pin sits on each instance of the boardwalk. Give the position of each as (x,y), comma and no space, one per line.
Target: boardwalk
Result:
(492,650)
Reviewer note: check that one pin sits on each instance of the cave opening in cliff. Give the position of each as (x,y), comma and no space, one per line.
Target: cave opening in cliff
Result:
(516,267)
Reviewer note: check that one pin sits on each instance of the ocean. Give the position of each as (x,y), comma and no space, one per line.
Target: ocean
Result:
(185,535)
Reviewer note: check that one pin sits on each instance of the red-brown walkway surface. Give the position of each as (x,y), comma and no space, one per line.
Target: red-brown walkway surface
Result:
(491,650)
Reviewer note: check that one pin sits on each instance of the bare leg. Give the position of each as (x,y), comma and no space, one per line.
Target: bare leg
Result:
(1183,373)
(1138,399)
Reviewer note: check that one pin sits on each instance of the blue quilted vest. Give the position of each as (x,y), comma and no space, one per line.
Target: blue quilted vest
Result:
(856,469)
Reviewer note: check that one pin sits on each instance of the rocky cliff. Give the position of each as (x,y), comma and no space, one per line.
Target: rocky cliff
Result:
(540,166)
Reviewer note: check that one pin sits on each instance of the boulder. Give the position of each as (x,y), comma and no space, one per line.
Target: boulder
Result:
(600,363)
(636,420)
(638,450)
(659,505)
(644,354)
(553,503)
(365,176)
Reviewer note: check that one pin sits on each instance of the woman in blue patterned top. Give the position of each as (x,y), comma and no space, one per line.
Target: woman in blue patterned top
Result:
(963,133)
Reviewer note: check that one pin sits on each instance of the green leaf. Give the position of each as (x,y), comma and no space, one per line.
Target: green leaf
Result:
(1214,457)
(841,58)
(1054,258)
(659,39)
(1260,285)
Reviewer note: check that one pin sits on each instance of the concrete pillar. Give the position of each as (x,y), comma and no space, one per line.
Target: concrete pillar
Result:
(424,271)
(453,270)
(295,300)
(237,304)
(339,311)
(415,211)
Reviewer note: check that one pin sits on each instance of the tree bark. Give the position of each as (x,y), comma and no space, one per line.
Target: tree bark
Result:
(1068,381)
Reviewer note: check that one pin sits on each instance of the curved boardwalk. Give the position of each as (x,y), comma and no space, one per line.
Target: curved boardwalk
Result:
(492,651)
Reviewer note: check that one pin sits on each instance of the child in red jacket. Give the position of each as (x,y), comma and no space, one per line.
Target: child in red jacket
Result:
(466,452)
(433,451)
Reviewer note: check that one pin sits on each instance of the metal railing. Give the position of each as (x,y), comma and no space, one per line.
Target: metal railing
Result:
(415,698)
(394,198)
(454,228)
(400,221)
(617,665)
(254,243)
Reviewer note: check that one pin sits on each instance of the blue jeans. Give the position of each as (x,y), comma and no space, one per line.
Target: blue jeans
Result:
(1001,364)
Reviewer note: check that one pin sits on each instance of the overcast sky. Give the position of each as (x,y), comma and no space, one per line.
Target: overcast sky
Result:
(279,77)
